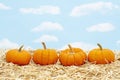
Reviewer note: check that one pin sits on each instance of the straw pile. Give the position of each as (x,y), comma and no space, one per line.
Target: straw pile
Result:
(88,71)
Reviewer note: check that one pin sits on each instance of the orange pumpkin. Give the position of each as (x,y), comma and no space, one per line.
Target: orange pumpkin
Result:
(18,56)
(72,56)
(101,56)
(45,56)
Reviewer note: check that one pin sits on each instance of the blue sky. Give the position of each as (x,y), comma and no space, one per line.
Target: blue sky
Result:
(60,22)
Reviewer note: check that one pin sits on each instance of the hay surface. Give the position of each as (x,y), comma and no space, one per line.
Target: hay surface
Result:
(88,71)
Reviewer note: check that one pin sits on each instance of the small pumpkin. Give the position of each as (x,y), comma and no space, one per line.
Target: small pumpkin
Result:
(72,56)
(45,56)
(101,56)
(18,56)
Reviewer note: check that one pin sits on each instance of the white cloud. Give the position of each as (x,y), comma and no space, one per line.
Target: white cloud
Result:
(103,27)
(46,38)
(47,26)
(5,43)
(42,10)
(82,45)
(4,7)
(89,8)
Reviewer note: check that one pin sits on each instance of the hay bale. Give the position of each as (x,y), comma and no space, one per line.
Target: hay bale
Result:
(88,71)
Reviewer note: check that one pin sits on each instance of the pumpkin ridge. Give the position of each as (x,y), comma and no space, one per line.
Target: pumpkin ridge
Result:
(67,59)
(81,55)
(105,59)
(62,56)
(47,52)
(74,59)
(101,57)
(42,57)
(94,57)
(48,62)
(71,52)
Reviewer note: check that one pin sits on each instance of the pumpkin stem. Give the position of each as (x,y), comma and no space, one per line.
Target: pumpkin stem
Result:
(20,48)
(99,46)
(70,48)
(44,46)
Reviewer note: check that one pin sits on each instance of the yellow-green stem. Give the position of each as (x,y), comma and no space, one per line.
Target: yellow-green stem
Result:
(20,48)
(99,46)
(70,47)
(44,46)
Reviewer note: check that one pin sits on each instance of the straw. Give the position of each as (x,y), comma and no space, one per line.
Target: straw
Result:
(88,71)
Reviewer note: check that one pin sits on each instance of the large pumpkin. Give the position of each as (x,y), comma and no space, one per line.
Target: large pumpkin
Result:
(18,56)
(101,56)
(45,56)
(72,56)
